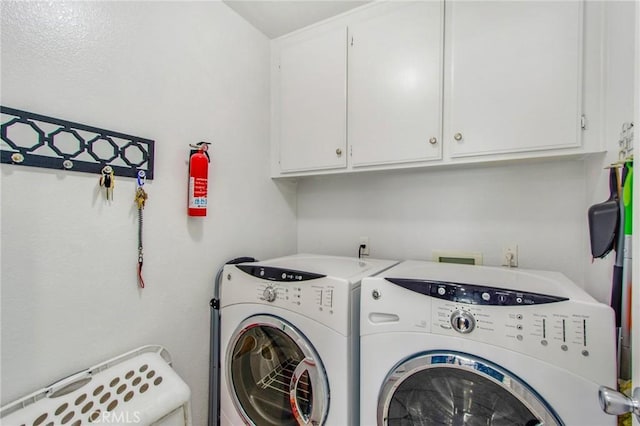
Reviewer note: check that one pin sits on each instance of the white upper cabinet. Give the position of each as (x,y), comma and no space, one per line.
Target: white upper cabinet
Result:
(401,84)
(513,76)
(395,84)
(311,105)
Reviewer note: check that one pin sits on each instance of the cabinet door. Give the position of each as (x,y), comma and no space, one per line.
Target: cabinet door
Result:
(312,101)
(395,84)
(514,70)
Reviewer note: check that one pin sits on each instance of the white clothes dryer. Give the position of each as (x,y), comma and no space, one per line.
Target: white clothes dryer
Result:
(289,339)
(445,344)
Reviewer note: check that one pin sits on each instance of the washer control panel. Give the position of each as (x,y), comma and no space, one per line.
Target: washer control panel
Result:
(474,294)
(577,334)
(523,328)
(523,321)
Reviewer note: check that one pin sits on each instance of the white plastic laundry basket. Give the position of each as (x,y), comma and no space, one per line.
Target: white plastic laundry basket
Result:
(136,388)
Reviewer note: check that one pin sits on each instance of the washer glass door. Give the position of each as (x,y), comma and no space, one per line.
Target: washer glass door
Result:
(276,376)
(454,389)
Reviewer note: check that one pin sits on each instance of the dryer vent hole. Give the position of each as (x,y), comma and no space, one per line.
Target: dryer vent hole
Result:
(89,406)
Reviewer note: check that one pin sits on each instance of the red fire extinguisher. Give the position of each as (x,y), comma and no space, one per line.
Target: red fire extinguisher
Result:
(198,179)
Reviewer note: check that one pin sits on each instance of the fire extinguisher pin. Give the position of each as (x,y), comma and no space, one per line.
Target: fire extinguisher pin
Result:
(201,146)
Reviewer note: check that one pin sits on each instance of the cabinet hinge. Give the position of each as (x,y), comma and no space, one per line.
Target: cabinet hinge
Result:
(350,150)
(351,40)
(583,122)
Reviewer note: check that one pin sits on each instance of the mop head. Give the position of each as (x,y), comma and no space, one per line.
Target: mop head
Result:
(624,386)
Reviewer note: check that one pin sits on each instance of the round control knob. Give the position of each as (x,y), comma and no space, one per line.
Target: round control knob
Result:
(463,322)
(269,294)
(458,136)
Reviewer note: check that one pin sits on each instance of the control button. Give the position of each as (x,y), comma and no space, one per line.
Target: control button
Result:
(442,291)
(544,342)
(486,296)
(462,322)
(519,316)
(519,326)
(269,294)
(262,272)
(585,353)
(284,275)
(519,299)
(564,348)
(519,337)
(502,298)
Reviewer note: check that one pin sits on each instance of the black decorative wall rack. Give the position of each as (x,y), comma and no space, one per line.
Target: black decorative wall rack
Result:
(36,140)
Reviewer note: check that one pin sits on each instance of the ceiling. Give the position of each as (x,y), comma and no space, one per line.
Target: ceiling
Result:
(277,17)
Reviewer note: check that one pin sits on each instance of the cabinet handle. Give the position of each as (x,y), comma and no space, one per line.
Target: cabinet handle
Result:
(338,152)
(433,141)
(458,136)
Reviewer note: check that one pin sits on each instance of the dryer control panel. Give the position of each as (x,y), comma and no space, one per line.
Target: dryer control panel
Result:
(278,274)
(322,298)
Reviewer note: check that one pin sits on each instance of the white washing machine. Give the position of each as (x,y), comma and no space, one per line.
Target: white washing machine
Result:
(289,339)
(445,344)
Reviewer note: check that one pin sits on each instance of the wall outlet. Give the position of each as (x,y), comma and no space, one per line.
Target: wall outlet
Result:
(364,251)
(510,256)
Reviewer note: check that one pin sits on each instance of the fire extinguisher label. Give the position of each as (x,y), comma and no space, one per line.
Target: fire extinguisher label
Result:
(197,193)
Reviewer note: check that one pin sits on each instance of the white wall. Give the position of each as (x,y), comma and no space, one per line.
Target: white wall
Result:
(541,207)
(175,72)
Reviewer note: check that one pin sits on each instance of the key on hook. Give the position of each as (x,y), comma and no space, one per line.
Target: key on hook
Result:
(108,181)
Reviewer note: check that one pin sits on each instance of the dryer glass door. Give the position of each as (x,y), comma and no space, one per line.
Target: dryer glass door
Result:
(459,389)
(276,376)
